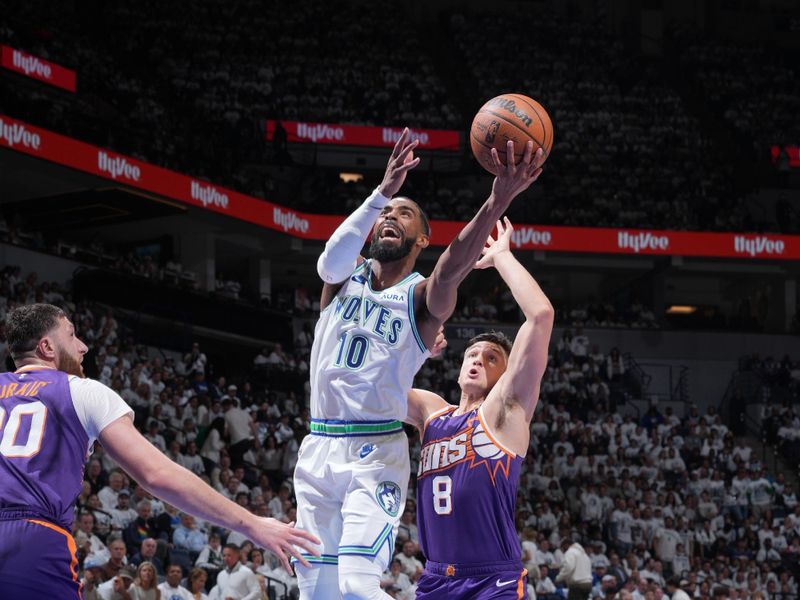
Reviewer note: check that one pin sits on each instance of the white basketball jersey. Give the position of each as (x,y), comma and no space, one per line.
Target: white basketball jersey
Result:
(366,351)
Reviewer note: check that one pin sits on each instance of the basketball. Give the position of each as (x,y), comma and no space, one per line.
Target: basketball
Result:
(509,117)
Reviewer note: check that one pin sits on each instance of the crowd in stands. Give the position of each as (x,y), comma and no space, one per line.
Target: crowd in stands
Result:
(497,304)
(777,391)
(648,496)
(749,83)
(629,152)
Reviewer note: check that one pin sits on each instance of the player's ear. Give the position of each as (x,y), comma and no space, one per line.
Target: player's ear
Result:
(46,347)
(423,241)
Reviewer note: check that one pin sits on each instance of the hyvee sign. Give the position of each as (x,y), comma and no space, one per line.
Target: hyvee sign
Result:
(362,135)
(37,68)
(22,137)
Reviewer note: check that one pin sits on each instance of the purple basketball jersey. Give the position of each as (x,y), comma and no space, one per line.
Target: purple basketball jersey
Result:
(466,493)
(43,446)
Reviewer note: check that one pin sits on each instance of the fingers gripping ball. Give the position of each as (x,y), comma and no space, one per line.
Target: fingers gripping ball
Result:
(509,117)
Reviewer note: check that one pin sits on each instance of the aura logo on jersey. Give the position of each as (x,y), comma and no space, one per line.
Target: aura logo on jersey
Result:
(388,496)
(369,314)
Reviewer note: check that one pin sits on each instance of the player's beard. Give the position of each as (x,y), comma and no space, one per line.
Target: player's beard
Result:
(386,251)
(68,364)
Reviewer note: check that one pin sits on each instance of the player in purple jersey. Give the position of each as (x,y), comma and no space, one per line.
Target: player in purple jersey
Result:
(50,415)
(472,453)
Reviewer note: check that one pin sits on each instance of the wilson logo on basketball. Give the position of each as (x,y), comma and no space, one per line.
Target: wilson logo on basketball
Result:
(511,107)
(118,166)
(208,194)
(758,245)
(15,134)
(642,241)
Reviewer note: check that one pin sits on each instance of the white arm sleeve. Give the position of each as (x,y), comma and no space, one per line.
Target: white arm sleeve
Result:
(96,405)
(338,259)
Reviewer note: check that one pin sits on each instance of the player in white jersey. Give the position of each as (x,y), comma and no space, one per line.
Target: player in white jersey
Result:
(378,320)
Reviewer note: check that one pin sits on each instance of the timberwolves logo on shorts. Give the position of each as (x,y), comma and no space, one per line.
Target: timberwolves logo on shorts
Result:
(388,496)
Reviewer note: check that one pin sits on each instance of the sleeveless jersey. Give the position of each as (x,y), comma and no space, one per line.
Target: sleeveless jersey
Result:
(366,351)
(44,443)
(466,492)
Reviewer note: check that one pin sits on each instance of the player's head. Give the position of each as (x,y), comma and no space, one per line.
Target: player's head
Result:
(401,229)
(42,333)
(485,360)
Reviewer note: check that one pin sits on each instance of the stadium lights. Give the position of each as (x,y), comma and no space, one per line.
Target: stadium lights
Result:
(351,177)
(681,309)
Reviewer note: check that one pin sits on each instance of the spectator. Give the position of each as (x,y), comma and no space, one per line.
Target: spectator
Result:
(87,541)
(147,553)
(210,557)
(145,586)
(117,560)
(235,580)
(395,577)
(117,588)
(142,527)
(123,515)
(172,588)
(412,567)
(214,441)
(188,537)
(241,428)
(195,361)
(576,571)
(92,578)
(108,495)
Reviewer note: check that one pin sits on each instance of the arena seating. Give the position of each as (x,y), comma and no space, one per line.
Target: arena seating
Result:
(648,495)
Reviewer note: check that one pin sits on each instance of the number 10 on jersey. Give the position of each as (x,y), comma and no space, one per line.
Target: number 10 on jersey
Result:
(352,351)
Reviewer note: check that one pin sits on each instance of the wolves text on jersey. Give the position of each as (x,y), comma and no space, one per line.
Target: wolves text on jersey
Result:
(370,315)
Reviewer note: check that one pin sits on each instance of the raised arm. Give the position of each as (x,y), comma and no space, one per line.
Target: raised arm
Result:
(178,486)
(342,251)
(518,387)
(440,292)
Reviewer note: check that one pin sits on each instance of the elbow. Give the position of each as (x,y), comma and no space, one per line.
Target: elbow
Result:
(544,315)
(154,479)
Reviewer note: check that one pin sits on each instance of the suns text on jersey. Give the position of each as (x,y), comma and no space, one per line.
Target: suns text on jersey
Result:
(444,453)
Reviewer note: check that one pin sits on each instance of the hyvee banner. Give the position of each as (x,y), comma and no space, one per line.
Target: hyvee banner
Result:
(37,68)
(792,155)
(363,135)
(21,137)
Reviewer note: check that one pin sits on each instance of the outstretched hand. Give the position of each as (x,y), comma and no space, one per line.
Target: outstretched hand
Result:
(400,163)
(283,541)
(496,247)
(512,179)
